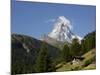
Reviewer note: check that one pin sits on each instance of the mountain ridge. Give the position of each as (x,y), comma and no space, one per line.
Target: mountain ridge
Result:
(62,32)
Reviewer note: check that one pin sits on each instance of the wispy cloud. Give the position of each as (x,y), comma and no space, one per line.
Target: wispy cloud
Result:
(50,20)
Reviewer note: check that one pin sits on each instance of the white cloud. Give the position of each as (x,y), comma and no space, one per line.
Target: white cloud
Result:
(50,20)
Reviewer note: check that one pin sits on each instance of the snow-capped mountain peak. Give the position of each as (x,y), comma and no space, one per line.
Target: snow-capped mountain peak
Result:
(62,30)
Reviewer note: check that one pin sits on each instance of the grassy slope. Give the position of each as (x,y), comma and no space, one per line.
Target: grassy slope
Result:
(86,64)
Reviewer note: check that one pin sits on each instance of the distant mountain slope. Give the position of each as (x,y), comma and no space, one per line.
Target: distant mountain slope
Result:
(53,42)
(25,51)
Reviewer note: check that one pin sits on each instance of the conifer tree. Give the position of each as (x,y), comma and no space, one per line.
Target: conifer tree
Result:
(43,61)
(75,48)
(66,53)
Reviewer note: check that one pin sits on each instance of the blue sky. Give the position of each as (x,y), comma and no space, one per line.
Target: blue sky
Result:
(36,19)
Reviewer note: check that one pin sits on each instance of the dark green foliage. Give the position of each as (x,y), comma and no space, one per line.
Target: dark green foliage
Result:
(43,62)
(89,61)
(89,42)
(24,62)
(75,48)
(66,53)
(43,57)
(83,47)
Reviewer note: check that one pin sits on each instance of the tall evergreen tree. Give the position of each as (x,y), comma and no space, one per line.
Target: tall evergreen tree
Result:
(66,53)
(83,47)
(75,48)
(43,62)
(89,42)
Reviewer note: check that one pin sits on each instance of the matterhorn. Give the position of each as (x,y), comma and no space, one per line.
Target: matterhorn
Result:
(62,31)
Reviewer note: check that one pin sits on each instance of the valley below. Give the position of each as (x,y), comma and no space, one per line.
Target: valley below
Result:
(30,55)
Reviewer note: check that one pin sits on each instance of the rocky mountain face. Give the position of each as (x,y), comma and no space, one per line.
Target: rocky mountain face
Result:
(30,45)
(62,31)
